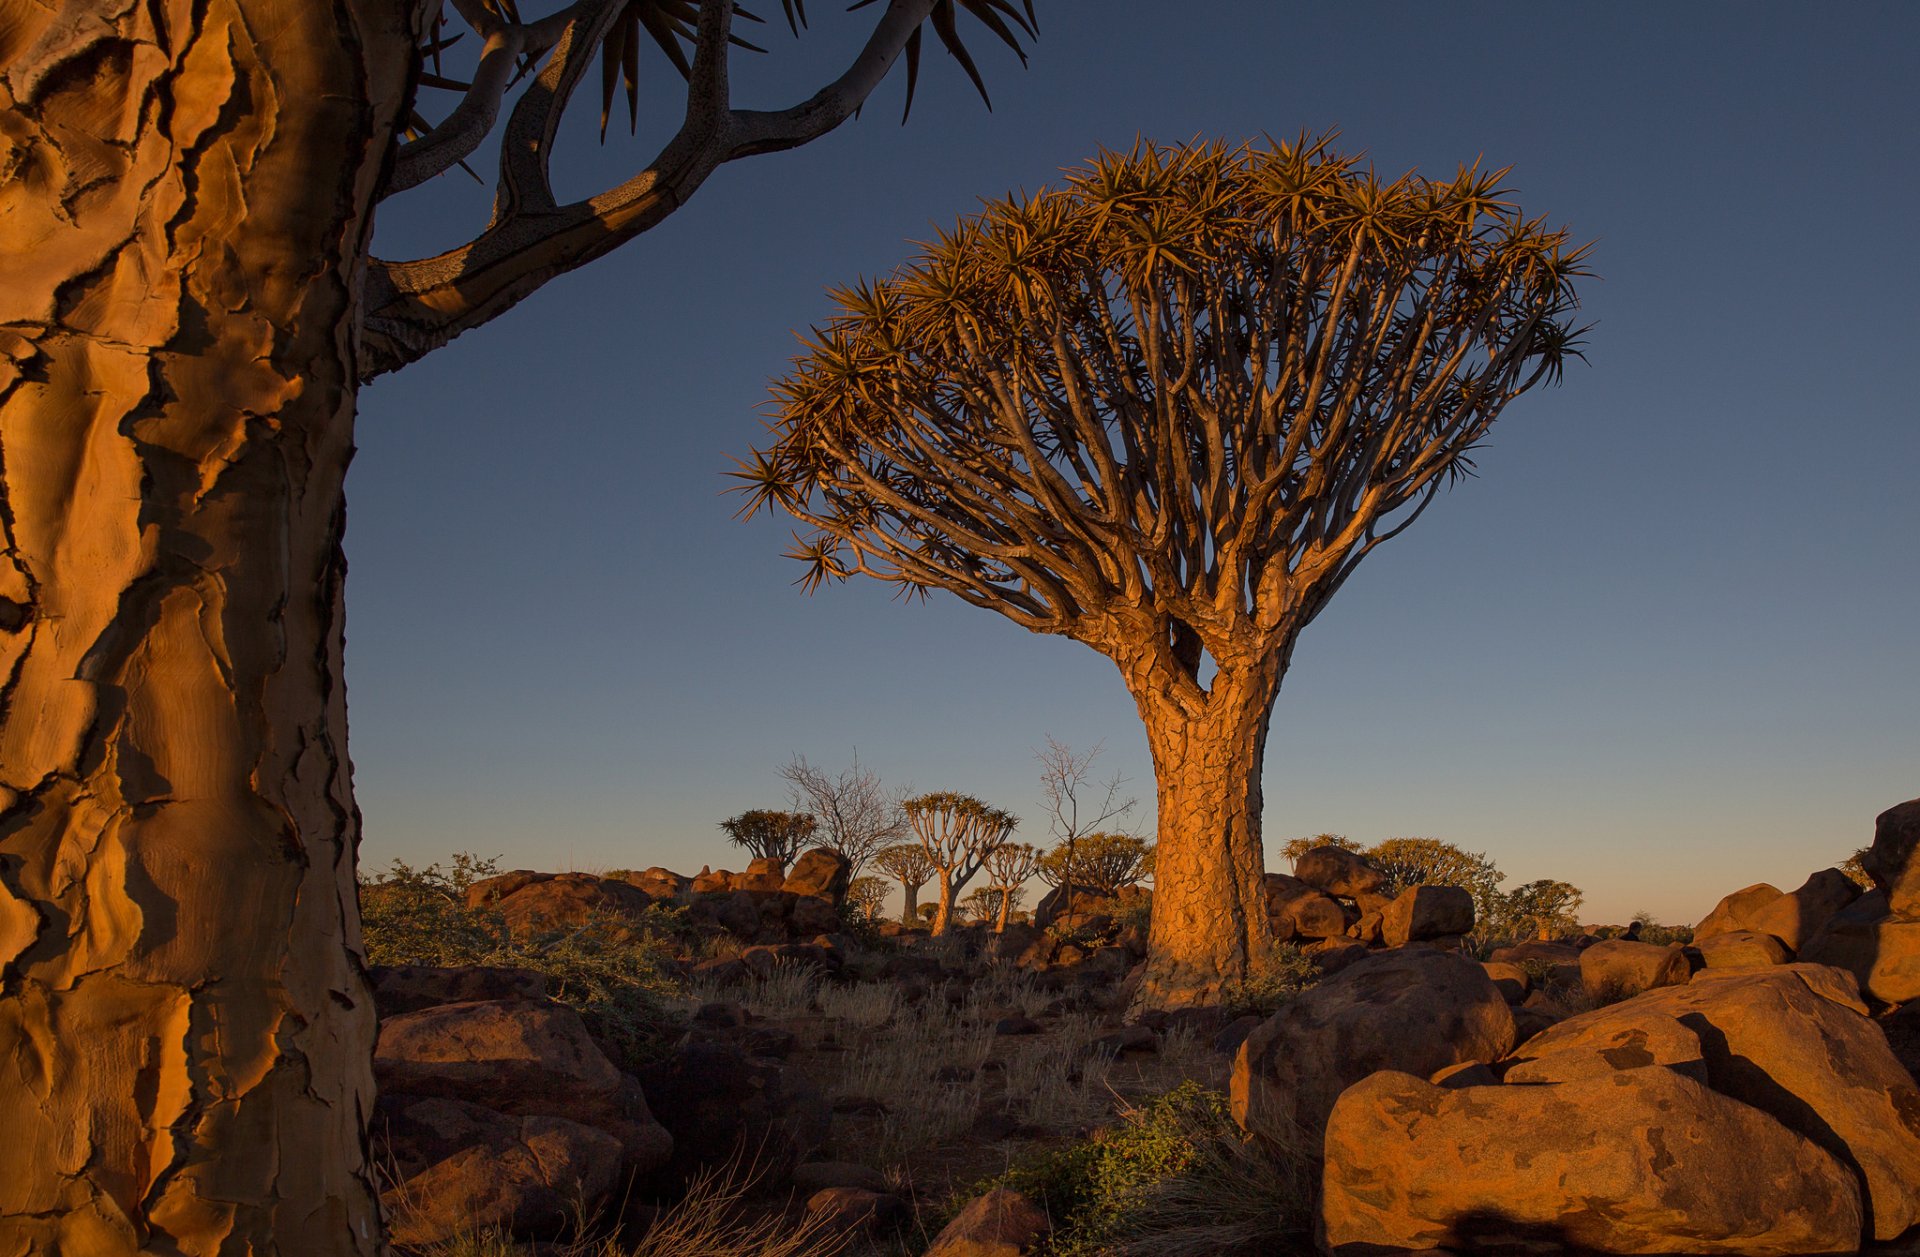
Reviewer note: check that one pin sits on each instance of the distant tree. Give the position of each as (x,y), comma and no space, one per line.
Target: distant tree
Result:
(1077,804)
(1297,847)
(926,912)
(1854,869)
(908,864)
(986,904)
(869,894)
(1410,862)
(855,814)
(1107,863)
(1166,410)
(1545,909)
(1009,866)
(771,835)
(958,832)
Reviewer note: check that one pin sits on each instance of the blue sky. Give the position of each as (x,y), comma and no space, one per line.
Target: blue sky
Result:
(1662,647)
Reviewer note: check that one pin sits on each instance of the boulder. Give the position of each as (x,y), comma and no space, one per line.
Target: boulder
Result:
(517,1056)
(1794,918)
(850,1211)
(1615,968)
(1511,979)
(1631,1161)
(764,876)
(1599,1043)
(1084,909)
(567,901)
(1562,960)
(1880,949)
(1794,1042)
(462,1166)
(408,988)
(1280,892)
(1735,912)
(811,914)
(1426,912)
(821,873)
(1368,928)
(1741,949)
(1415,1010)
(739,914)
(1340,872)
(661,884)
(1002,1223)
(1317,916)
(1893,861)
(718,1103)
(491,889)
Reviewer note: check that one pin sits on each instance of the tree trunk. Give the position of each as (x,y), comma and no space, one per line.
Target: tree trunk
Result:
(1209,932)
(1006,910)
(944,884)
(185,1026)
(912,891)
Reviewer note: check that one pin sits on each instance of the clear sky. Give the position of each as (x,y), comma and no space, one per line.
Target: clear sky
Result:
(1662,647)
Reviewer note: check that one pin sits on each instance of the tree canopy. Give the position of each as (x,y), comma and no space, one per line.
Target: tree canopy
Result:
(771,835)
(1098,861)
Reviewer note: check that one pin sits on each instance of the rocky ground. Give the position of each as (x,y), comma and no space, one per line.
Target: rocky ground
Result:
(880,1091)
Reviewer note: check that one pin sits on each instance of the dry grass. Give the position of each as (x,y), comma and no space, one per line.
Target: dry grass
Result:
(926,1069)
(862,1005)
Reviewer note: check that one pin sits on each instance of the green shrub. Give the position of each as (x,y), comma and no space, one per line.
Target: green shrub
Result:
(1290,973)
(610,971)
(1175,1176)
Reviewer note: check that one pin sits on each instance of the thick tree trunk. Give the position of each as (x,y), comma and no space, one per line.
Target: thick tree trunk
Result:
(1210,931)
(911,914)
(944,913)
(1006,910)
(185,1028)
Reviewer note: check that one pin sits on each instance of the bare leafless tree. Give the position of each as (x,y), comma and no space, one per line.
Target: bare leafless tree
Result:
(1166,410)
(1077,804)
(188,308)
(1009,866)
(856,814)
(908,864)
(958,833)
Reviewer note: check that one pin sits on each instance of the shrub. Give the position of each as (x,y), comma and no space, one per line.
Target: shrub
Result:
(611,972)
(1175,1176)
(1290,973)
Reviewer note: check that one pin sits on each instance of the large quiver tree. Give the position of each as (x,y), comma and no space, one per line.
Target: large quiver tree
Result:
(187,307)
(1165,410)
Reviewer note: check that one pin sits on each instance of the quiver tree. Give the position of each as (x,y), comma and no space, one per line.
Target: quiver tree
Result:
(908,864)
(1410,862)
(1166,410)
(958,832)
(869,894)
(771,835)
(1009,866)
(1101,862)
(855,815)
(188,306)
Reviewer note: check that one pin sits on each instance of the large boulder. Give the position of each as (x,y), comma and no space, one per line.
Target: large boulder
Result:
(1340,872)
(408,988)
(1615,968)
(517,1056)
(719,1103)
(764,876)
(1631,1161)
(1416,1010)
(568,901)
(1423,912)
(661,884)
(1086,907)
(487,890)
(1741,949)
(1296,909)
(1589,1046)
(1881,949)
(821,873)
(1794,918)
(1002,1223)
(1893,861)
(461,1167)
(1794,1042)
(1736,911)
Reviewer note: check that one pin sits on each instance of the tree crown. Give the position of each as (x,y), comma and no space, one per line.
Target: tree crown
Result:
(1188,389)
(957,830)
(905,862)
(1099,861)
(770,835)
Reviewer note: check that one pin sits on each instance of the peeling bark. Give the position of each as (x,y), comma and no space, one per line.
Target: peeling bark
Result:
(1209,932)
(185,1026)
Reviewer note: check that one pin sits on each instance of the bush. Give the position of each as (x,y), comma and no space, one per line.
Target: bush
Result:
(1175,1177)
(1290,973)
(612,974)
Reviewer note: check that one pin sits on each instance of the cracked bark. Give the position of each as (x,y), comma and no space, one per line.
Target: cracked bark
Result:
(185,1027)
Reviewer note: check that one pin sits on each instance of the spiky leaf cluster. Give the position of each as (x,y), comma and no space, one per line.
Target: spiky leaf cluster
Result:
(1197,383)
(1099,861)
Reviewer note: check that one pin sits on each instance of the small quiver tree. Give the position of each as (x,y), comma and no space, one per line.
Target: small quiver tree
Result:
(771,835)
(868,894)
(1542,909)
(1009,866)
(958,832)
(1166,410)
(1104,863)
(908,864)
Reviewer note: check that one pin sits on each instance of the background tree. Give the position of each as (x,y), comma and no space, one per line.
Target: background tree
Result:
(985,904)
(958,832)
(1166,410)
(908,864)
(1009,866)
(771,835)
(1410,862)
(856,814)
(1107,863)
(1543,909)
(869,894)
(1076,803)
(189,308)
(1294,848)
